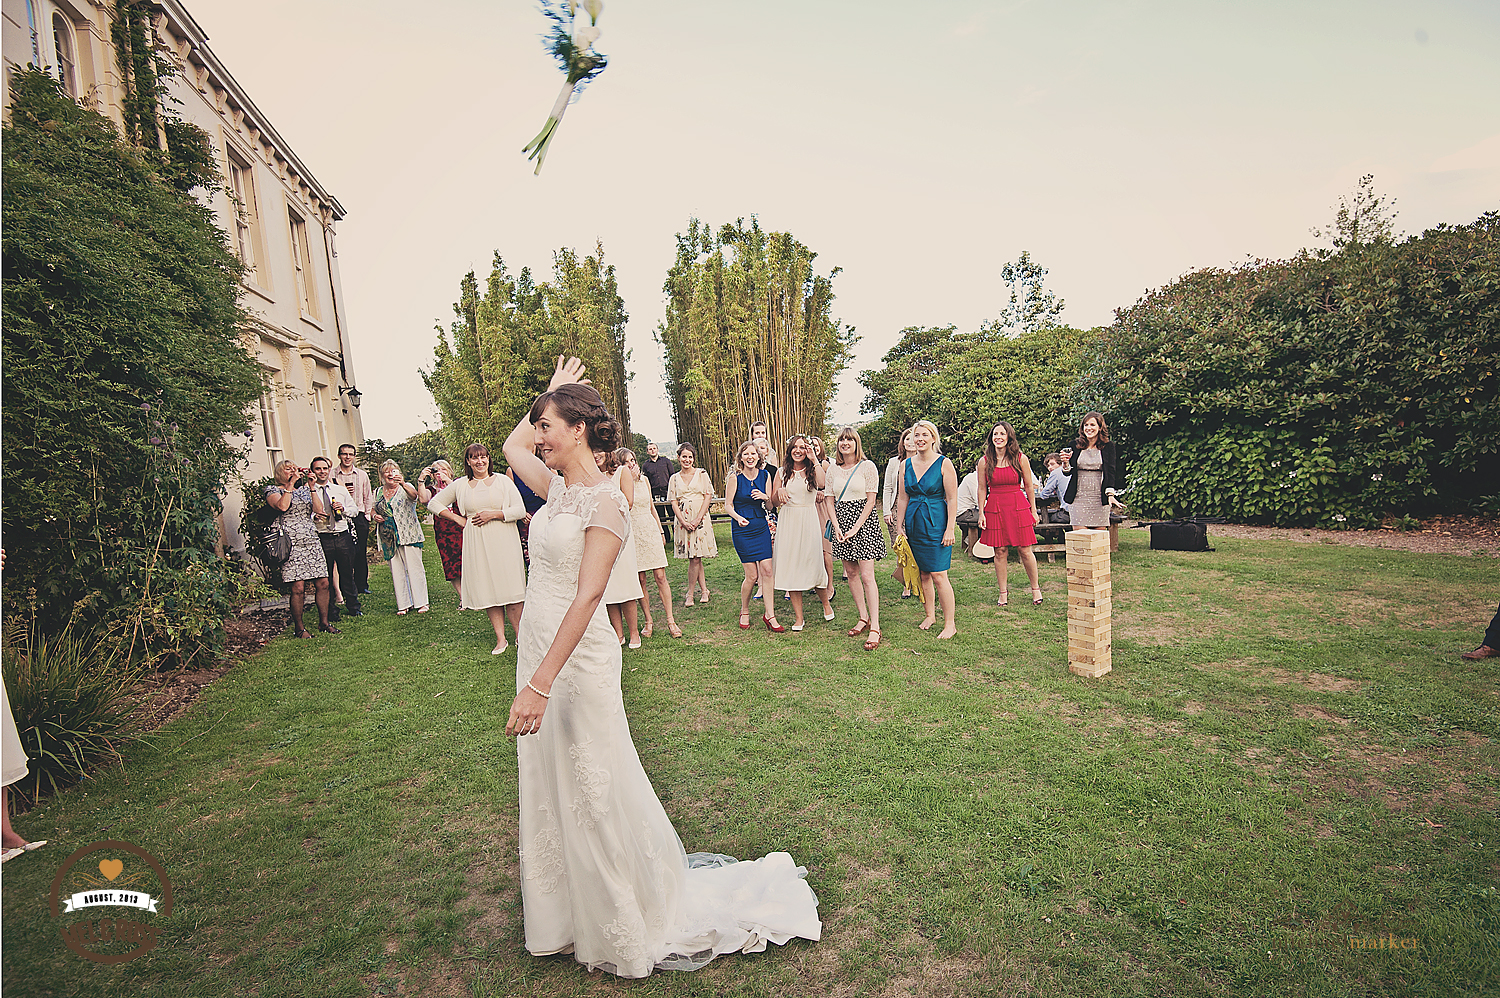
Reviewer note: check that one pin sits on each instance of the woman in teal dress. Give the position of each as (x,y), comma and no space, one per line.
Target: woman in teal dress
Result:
(926,513)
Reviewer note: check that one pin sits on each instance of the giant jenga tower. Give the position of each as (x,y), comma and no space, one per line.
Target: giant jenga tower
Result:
(1089,605)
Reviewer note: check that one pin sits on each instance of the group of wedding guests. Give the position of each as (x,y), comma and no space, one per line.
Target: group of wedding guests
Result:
(326,512)
(790,524)
(480,521)
(923,503)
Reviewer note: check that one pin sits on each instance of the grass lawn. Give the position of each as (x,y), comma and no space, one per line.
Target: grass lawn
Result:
(1288,755)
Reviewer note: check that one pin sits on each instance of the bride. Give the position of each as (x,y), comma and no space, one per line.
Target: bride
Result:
(603,874)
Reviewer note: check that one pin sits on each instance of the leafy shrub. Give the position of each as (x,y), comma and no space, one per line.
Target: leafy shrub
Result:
(124,369)
(1329,389)
(68,694)
(967,382)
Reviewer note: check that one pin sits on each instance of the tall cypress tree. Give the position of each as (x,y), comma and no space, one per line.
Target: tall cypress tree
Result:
(506,339)
(748,336)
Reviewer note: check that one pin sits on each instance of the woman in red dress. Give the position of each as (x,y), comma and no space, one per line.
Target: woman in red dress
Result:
(436,477)
(1008,516)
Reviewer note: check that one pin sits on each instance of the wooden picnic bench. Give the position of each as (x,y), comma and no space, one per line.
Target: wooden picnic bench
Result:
(1052,538)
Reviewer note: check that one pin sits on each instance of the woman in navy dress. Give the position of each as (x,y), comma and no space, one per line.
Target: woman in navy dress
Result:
(533,503)
(748,489)
(926,512)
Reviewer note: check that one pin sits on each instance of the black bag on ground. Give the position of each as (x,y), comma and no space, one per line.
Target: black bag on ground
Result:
(1180,535)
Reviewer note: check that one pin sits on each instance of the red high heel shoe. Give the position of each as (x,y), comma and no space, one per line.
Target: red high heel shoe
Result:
(777,629)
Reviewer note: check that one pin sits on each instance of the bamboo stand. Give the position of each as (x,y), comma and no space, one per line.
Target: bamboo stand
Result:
(1089,604)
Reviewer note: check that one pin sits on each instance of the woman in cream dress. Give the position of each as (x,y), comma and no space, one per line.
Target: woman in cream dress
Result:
(624,581)
(798,549)
(494,573)
(650,545)
(691,492)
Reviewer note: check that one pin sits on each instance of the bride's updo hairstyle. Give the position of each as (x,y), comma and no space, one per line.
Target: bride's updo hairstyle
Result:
(576,404)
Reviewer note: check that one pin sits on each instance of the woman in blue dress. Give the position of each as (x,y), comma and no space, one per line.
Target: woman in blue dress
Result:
(926,513)
(748,490)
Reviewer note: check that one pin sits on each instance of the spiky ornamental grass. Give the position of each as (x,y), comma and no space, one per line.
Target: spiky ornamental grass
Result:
(573,46)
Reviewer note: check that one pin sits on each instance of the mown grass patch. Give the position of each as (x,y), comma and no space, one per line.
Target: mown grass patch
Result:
(1262,777)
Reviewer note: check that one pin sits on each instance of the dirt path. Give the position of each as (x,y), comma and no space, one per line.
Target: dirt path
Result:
(1467,535)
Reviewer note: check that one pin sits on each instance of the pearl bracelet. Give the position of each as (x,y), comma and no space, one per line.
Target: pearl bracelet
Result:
(544,696)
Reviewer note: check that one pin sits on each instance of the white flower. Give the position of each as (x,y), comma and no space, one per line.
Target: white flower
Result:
(1339,517)
(1376,477)
(593,7)
(1275,464)
(585,36)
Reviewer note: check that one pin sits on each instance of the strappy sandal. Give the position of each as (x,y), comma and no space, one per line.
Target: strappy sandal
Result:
(1004,599)
(744,622)
(859,628)
(673,629)
(1036,596)
(647,630)
(873,641)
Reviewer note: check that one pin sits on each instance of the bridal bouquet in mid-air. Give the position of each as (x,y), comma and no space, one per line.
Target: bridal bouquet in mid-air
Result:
(572,44)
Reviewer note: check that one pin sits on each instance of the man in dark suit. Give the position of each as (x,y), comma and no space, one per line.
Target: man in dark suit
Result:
(658,471)
(1490,646)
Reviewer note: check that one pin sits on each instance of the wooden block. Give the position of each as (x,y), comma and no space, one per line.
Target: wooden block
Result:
(1088,576)
(1090,601)
(1086,535)
(1089,613)
(1091,647)
(1088,671)
(1093,630)
(1087,539)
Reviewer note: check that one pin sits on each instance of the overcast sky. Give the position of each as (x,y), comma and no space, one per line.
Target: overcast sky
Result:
(918,146)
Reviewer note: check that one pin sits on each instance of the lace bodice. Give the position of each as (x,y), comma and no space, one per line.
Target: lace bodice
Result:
(557,536)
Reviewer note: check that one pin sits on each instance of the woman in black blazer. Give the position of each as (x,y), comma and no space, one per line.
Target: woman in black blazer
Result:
(1092,489)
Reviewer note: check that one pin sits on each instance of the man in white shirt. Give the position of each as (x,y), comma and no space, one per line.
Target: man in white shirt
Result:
(336,532)
(968,509)
(1055,487)
(357,483)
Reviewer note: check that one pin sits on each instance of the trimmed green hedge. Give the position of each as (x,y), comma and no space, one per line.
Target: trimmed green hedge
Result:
(1329,389)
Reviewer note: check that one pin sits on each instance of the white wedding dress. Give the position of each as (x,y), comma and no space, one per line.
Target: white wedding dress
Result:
(603,874)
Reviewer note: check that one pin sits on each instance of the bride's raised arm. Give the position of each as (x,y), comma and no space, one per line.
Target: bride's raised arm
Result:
(520,447)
